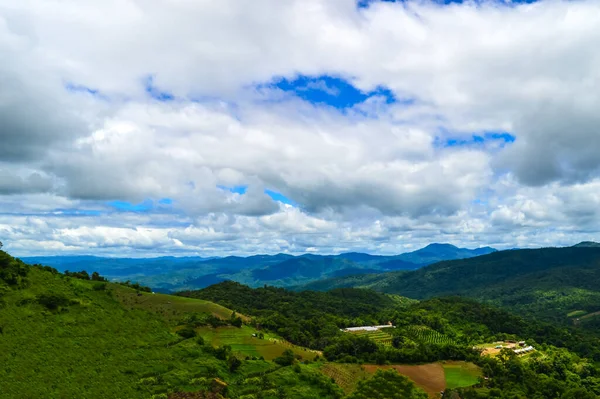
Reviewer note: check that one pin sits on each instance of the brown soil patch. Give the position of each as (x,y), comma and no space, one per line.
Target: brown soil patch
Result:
(492,351)
(429,377)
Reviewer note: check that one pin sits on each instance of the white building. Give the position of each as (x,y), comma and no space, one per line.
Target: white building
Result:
(366,328)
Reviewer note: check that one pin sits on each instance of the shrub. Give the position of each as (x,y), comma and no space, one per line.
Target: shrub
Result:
(200,340)
(53,301)
(234,363)
(99,286)
(187,332)
(286,359)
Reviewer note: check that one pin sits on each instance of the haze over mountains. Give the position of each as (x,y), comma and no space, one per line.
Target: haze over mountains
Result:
(172,273)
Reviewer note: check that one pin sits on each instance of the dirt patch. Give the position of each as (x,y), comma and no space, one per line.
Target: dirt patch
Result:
(429,377)
(493,351)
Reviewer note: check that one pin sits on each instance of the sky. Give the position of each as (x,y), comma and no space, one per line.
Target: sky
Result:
(234,127)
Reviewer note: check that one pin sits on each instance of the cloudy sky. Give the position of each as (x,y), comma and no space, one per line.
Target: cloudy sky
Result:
(147,127)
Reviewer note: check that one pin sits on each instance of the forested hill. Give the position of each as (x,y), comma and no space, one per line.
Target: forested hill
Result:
(553,281)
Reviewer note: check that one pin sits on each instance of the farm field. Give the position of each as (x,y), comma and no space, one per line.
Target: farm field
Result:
(434,377)
(242,341)
(346,376)
(461,374)
(379,336)
(426,335)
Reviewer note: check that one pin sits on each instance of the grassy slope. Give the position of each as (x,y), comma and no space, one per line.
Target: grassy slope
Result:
(242,341)
(77,351)
(98,348)
(169,306)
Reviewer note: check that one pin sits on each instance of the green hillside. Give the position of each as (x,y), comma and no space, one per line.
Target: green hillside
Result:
(77,336)
(436,336)
(63,337)
(547,283)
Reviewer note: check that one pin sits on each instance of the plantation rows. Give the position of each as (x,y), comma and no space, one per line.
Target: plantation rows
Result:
(426,335)
(379,336)
(345,375)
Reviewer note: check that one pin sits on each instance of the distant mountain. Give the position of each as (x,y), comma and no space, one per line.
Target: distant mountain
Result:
(167,274)
(587,244)
(438,252)
(549,283)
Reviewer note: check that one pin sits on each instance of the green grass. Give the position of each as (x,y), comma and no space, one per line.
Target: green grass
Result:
(461,374)
(577,313)
(169,306)
(242,341)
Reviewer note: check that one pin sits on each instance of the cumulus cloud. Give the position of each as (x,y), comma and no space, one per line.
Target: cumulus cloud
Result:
(175,100)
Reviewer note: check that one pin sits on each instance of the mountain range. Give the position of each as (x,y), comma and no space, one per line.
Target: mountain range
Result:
(552,284)
(169,274)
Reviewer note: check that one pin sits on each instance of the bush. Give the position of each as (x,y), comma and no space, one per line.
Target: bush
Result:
(187,332)
(234,363)
(200,340)
(286,359)
(99,286)
(53,301)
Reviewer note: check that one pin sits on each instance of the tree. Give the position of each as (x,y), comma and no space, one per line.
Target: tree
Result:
(97,277)
(1,245)
(187,332)
(287,358)
(387,385)
(234,363)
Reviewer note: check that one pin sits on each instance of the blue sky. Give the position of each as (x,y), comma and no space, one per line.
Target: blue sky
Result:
(329,90)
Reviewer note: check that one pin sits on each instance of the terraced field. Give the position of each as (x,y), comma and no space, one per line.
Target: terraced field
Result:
(346,376)
(379,336)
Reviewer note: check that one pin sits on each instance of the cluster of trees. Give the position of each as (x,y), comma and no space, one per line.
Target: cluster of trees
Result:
(12,271)
(95,276)
(555,374)
(83,275)
(387,384)
(306,318)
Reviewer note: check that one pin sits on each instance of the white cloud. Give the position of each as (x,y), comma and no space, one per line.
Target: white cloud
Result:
(375,177)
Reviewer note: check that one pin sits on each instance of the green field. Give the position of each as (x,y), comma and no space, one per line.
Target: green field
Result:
(461,374)
(577,313)
(242,341)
